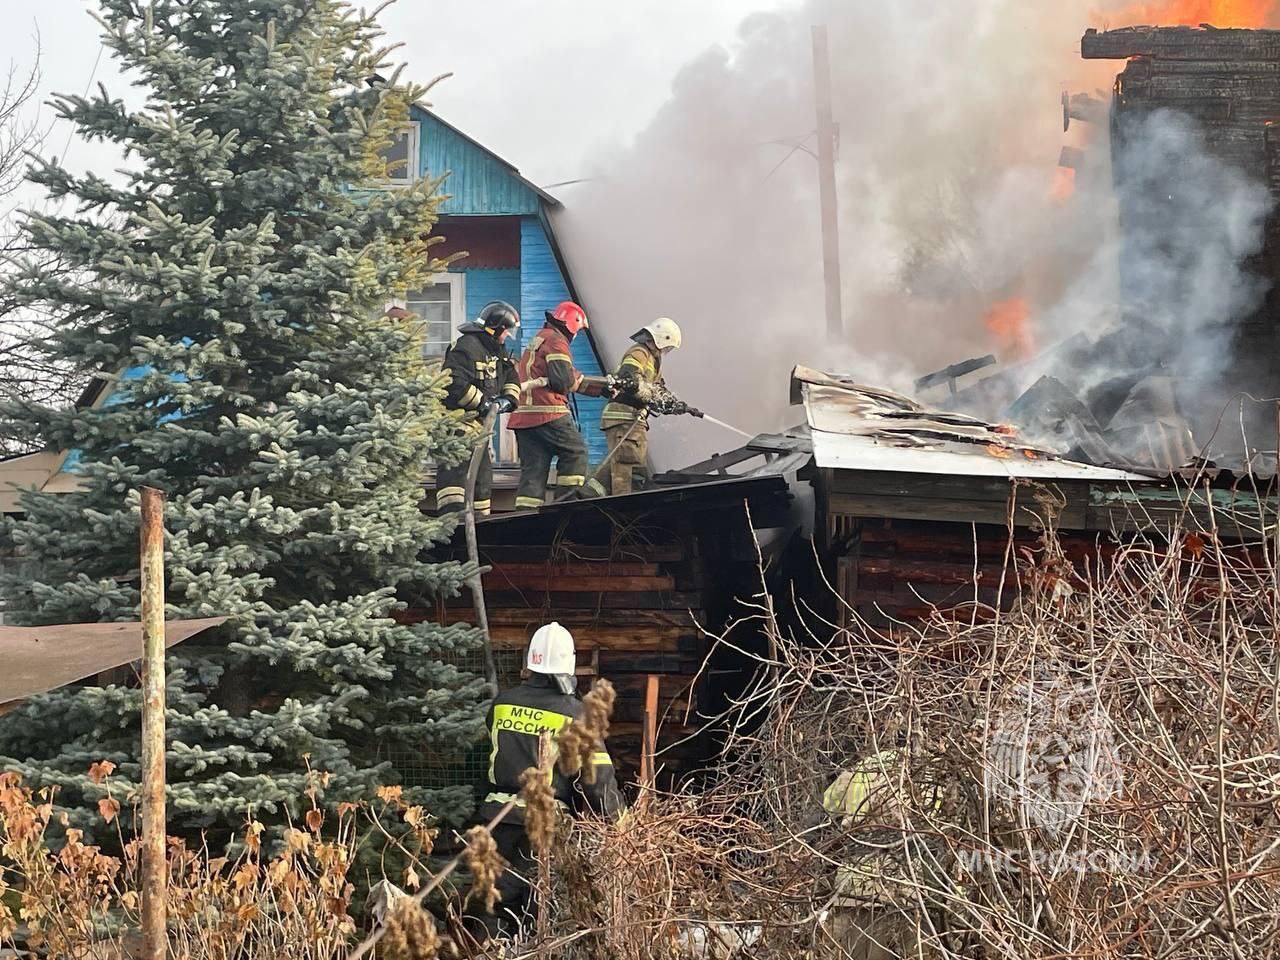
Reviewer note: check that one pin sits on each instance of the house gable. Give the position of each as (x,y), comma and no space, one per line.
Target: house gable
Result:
(480,183)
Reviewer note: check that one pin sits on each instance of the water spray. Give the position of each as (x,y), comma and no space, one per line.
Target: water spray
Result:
(707,416)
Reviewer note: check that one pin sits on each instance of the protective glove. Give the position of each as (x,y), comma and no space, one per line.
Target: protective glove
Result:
(485,406)
(695,412)
(504,405)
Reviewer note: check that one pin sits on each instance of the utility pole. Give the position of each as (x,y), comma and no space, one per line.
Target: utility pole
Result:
(827,183)
(155,937)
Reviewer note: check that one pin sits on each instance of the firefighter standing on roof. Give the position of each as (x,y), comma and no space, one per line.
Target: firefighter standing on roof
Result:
(544,428)
(482,378)
(626,424)
(545,702)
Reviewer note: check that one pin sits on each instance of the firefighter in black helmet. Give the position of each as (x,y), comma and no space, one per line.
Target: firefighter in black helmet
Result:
(482,378)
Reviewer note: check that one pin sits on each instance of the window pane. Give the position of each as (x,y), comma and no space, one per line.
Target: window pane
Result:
(436,293)
(437,325)
(397,157)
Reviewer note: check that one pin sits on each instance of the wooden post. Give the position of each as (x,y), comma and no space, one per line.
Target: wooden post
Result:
(649,738)
(827,183)
(154,868)
(476,582)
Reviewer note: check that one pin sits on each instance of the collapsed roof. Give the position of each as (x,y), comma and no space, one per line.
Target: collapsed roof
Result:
(858,427)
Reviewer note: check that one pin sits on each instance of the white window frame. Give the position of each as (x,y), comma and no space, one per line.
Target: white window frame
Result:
(413,161)
(457,283)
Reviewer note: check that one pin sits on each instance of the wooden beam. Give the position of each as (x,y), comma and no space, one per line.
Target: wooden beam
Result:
(1181,43)
(547,582)
(574,568)
(648,771)
(543,600)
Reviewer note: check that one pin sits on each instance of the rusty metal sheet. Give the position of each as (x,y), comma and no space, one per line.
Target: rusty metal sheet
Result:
(37,659)
(857,427)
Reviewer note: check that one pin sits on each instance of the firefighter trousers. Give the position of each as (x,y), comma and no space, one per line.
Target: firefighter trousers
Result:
(629,447)
(559,442)
(451,486)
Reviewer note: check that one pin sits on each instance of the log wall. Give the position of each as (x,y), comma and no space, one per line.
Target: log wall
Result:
(643,591)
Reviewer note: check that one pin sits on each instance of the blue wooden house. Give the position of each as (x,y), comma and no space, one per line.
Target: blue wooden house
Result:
(494,215)
(499,219)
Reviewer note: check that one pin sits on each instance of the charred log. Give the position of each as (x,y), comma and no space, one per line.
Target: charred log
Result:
(1181,43)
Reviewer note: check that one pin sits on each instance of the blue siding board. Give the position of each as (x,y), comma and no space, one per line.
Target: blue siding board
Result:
(484,286)
(478,183)
(542,287)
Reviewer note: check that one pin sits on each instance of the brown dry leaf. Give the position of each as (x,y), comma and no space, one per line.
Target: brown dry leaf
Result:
(392,795)
(253,836)
(296,841)
(101,770)
(315,820)
(411,879)
(1195,545)
(245,876)
(109,807)
(414,816)
(345,809)
(130,900)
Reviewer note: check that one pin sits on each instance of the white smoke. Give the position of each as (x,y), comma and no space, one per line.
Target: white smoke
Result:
(950,129)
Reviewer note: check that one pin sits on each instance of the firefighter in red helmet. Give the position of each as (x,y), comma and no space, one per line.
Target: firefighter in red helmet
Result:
(545,431)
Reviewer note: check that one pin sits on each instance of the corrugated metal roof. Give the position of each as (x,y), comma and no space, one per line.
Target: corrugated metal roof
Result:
(843,452)
(857,427)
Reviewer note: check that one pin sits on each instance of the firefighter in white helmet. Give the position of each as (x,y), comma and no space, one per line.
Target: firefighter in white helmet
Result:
(625,420)
(545,702)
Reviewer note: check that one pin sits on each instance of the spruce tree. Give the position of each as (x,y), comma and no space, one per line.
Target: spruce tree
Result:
(236,271)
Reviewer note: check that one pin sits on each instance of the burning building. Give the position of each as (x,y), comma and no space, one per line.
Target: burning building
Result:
(1195,165)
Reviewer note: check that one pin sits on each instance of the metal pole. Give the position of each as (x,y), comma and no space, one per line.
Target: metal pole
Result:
(154,868)
(827,183)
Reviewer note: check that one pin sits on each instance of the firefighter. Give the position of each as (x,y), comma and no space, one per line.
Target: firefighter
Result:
(626,424)
(545,702)
(482,378)
(544,428)
(875,909)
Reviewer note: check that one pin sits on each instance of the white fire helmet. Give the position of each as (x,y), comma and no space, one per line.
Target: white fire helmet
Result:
(665,333)
(551,651)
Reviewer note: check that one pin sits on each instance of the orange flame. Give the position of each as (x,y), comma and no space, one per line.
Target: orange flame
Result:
(1192,13)
(1010,322)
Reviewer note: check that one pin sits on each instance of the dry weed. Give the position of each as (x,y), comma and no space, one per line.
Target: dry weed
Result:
(485,864)
(579,740)
(411,934)
(540,808)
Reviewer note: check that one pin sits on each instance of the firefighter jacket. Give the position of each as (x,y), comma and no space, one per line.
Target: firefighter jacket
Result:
(641,364)
(547,377)
(480,369)
(516,720)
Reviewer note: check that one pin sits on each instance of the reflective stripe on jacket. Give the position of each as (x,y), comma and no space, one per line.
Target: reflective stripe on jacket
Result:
(515,722)
(479,369)
(645,366)
(547,377)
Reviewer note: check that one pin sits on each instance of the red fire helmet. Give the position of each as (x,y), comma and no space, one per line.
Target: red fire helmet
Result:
(571,315)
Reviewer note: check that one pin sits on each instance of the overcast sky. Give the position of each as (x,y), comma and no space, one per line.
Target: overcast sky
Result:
(542,82)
